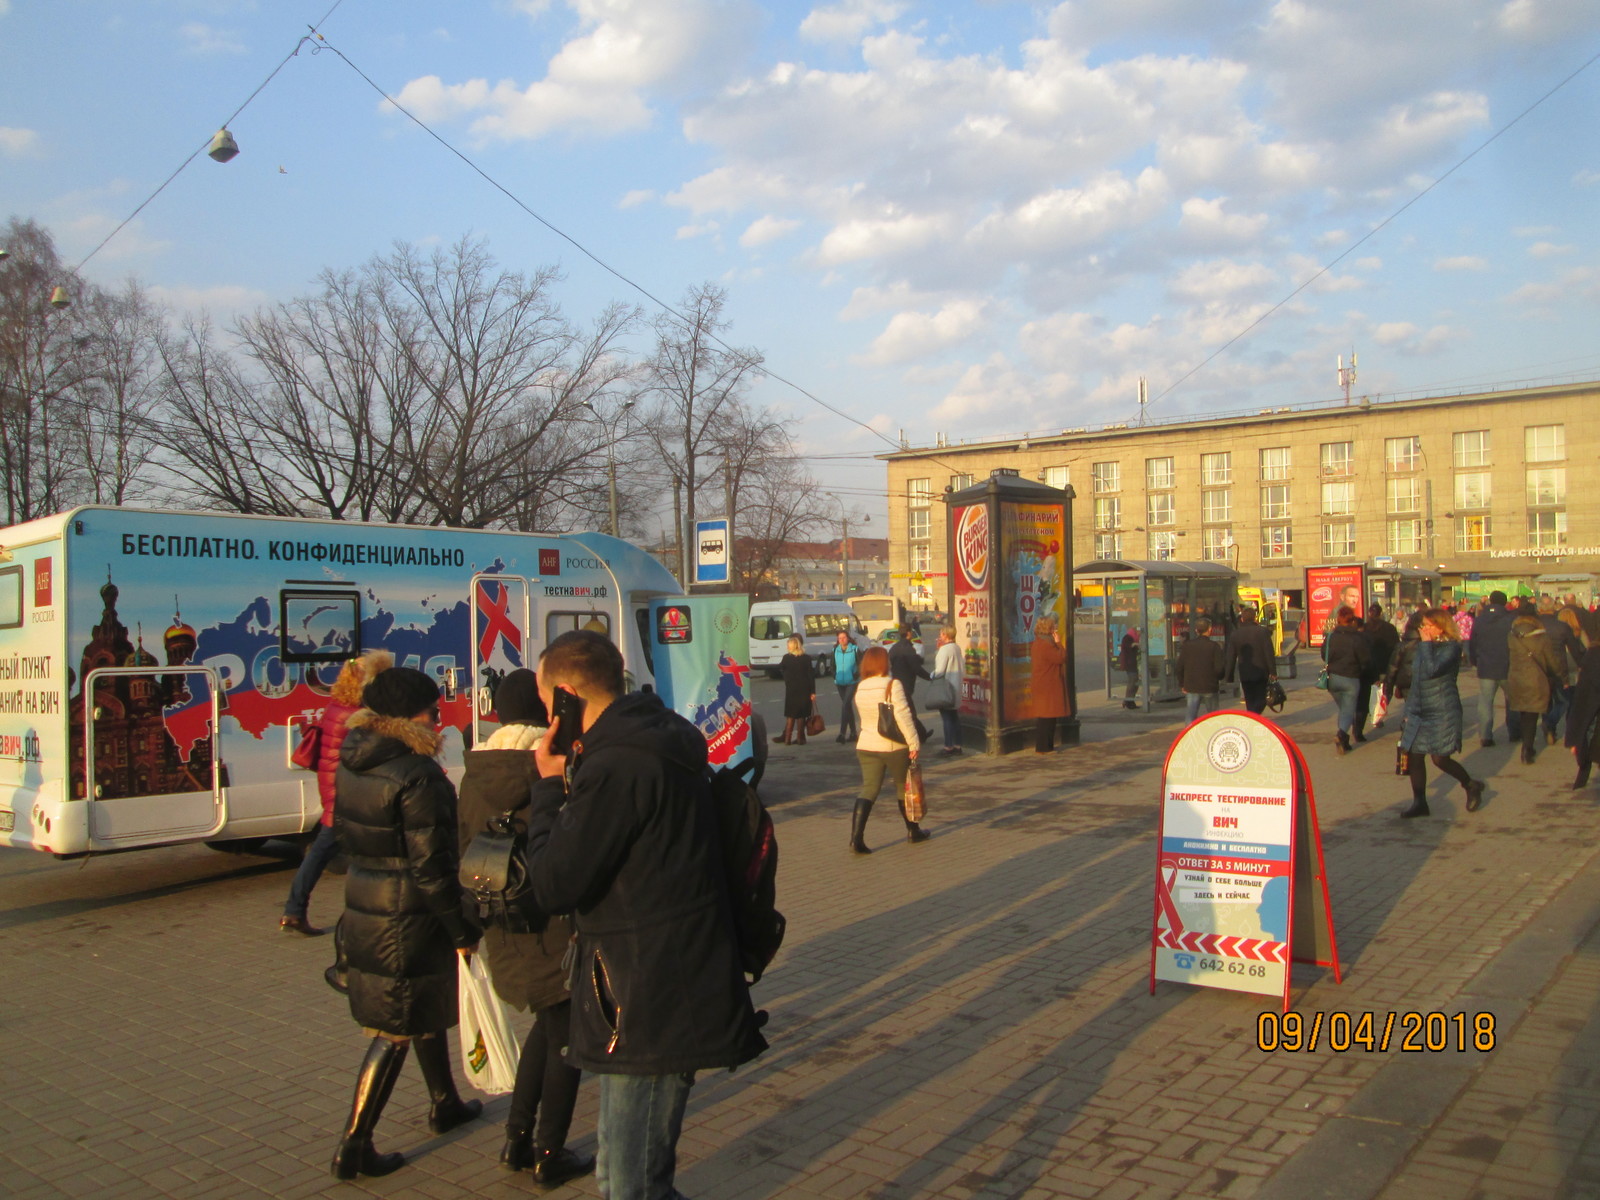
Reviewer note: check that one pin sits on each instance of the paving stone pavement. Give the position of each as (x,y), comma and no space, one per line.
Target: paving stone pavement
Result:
(969,1017)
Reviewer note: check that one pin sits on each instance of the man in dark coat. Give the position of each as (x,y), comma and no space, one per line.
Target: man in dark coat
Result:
(1490,647)
(1382,639)
(905,664)
(1200,670)
(1249,658)
(1570,647)
(632,851)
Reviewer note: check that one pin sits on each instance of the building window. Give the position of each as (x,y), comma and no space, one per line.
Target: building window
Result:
(1216,468)
(1107,477)
(1545,443)
(918,523)
(1402,454)
(1337,458)
(1275,502)
(1158,473)
(1160,509)
(1339,499)
(1472,489)
(1547,486)
(1472,533)
(1163,546)
(1274,463)
(1276,542)
(960,482)
(1216,545)
(1547,530)
(1338,539)
(1057,477)
(1472,448)
(921,557)
(919,492)
(1108,512)
(1216,506)
(1405,495)
(1405,536)
(1108,545)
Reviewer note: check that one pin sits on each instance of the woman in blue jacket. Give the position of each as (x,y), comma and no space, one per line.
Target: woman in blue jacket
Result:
(846,675)
(1433,713)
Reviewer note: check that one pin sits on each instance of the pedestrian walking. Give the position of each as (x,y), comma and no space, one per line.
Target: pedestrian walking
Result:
(1382,640)
(344,699)
(905,664)
(1128,664)
(1346,652)
(1248,658)
(1490,652)
(1432,727)
(630,848)
(799,693)
(1048,653)
(947,665)
(1566,636)
(1583,720)
(1537,668)
(395,817)
(1200,667)
(878,752)
(846,674)
(526,967)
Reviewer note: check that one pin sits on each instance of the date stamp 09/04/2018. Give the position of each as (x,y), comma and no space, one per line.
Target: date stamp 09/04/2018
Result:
(1412,1032)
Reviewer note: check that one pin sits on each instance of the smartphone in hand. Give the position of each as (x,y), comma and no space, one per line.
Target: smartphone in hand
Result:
(568,710)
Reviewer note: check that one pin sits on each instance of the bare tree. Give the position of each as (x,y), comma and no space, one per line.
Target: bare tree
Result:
(119,393)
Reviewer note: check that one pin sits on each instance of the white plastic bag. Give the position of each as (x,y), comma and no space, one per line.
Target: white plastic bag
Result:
(488,1051)
(1380,704)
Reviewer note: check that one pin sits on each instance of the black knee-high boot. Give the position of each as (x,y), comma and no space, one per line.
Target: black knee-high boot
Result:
(355,1155)
(449,1109)
(858,826)
(1417,769)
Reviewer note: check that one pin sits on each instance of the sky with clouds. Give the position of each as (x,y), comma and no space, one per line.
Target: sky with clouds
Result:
(979,218)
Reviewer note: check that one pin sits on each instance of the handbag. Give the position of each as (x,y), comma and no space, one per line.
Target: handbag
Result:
(814,723)
(888,727)
(494,873)
(1276,697)
(916,795)
(1322,679)
(488,1051)
(310,747)
(940,693)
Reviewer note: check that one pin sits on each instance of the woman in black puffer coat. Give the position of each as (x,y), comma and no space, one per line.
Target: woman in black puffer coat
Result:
(526,968)
(1433,712)
(394,814)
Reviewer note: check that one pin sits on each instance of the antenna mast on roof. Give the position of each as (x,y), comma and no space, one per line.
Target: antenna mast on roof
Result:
(1347,375)
(1144,398)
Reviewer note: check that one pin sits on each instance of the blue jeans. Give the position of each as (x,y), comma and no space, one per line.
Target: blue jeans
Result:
(1198,700)
(1560,701)
(1345,690)
(318,855)
(641,1117)
(952,727)
(1486,690)
(848,729)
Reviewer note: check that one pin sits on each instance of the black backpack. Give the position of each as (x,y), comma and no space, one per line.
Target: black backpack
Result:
(750,865)
(494,872)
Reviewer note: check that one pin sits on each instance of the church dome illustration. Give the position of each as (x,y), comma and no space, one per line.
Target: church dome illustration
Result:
(141,657)
(180,639)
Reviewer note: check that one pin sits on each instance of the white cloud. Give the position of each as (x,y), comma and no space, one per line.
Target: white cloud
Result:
(17,142)
(206,39)
(1580,283)
(1461,262)
(911,335)
(1528,231)
(1221,279)
(767,229)
(848,21)
(221,301)
(865,301)
(996,388)
(1407,338)
(636,197)
(5,7)
(1586,178)
(892,234)
(1548,250)
(1208,222)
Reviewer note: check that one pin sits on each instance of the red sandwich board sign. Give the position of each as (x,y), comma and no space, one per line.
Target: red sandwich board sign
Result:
(1241,890)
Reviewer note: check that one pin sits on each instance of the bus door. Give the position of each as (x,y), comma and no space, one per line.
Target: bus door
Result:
(499,626)
(153,771)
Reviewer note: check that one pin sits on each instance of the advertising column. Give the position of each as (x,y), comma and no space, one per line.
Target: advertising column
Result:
(1032,537)
(970,608)
(1327,590)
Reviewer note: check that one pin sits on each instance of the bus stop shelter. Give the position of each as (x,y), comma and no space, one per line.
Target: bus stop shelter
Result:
(1409,588)
(1159,601)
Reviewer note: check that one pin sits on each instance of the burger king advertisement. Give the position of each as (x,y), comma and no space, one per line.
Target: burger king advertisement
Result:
(970,610)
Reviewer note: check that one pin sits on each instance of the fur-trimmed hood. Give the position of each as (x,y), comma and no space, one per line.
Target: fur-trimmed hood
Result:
(514,737)
(356,674)
(374,738)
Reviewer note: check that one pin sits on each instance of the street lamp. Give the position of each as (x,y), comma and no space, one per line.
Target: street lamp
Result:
(611,457)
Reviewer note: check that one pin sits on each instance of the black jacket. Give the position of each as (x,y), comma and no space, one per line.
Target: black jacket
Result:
(1249,654)
(1383,639)
(905,664)
(525,967)
(633,852)
(1200,666)
(1583,721)
(1490,643)
(1347,651)
(394,814)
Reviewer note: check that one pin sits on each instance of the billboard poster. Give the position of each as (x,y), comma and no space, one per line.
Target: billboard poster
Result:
(1223,881)
(970,586)
(1031,541)
(1327,588)
(701,656)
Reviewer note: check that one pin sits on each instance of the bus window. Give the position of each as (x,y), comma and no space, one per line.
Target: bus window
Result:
(557,623)
(641,617)
(11,598)
(318,627)
(770,629)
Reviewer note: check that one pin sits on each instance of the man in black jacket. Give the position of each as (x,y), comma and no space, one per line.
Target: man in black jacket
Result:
(630,848)
(1250,658)
(905,664)
(1490,647)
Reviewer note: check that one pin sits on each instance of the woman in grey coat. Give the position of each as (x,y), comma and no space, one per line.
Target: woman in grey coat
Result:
(1433,713)
(1535,662)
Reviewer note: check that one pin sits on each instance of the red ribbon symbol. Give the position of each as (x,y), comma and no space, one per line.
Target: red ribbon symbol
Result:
(1166,876)
(497,621)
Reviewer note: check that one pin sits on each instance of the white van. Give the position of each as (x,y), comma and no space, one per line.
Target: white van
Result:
(817,622)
